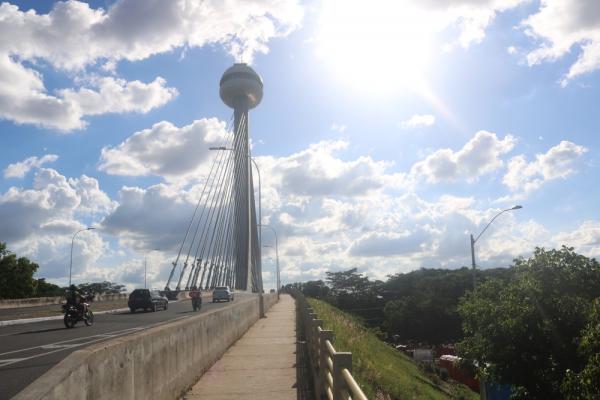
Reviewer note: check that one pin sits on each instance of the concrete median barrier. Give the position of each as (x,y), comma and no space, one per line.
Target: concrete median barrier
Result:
(159,363)
(46,301)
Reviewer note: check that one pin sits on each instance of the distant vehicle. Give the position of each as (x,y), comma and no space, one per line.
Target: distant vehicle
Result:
(272,291)
(147,300)
(222,293)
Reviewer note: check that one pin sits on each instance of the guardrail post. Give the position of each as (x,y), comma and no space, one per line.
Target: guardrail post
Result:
(341,361)
(324,336)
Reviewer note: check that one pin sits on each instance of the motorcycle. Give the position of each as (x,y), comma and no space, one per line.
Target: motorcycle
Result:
(73,315)
(197,303)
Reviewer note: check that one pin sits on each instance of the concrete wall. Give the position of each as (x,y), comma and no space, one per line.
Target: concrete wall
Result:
(160,363)
(37,301)
(45,301)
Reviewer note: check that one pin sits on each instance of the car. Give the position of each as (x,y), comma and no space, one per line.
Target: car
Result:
(222,293)
(147,299)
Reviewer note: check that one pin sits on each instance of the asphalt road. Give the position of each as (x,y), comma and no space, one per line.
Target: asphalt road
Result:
(28,351)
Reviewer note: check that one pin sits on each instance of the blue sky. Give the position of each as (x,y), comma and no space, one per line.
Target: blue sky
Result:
(387,133)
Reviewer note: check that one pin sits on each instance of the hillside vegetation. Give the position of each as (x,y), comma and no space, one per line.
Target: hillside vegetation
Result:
(379,369)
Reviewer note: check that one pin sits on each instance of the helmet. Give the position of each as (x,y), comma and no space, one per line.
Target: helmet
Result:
(73,287)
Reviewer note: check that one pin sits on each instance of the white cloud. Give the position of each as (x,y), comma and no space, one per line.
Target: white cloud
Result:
(511,50)
(341,128)
(22,168)
(39,222)
(419,120)
(316,171)
(382,244)
(155,217)
(561,25)
(23,98)
(165,150)
(133,31)
(126,30)
(585,239)
(479,156)
(119,96)
(557,162)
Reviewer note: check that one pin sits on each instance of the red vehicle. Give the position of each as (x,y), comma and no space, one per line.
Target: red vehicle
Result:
(451,364)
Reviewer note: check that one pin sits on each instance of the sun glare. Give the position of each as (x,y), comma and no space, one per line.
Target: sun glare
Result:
(377,48)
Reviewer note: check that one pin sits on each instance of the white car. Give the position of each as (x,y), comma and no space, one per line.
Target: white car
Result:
(222,293)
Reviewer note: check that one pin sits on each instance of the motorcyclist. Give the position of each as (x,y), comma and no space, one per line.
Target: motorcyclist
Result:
(76,299)
(196,297)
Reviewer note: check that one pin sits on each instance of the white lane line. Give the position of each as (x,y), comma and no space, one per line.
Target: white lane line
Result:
(57,347)
(70,340)
(9,361)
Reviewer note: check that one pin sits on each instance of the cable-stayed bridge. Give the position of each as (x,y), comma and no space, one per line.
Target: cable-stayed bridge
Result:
(221,245)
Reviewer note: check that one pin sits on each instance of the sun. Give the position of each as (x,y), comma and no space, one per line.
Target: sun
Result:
(381,47)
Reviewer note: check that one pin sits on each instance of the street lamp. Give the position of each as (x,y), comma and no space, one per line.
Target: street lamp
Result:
(145,269)
(473,241)
(276,255)
(89,228)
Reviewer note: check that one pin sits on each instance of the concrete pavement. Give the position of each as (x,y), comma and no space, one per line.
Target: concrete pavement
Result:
(261,365)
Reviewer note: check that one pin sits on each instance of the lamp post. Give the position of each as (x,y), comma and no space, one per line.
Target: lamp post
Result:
(474,240)
(145,262)
(276,255)
(89,228)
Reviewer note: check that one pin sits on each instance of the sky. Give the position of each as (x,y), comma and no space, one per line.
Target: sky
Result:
(389,131)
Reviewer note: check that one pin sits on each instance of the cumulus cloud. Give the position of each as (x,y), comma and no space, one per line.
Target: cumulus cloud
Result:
(164,150)
(126,30)
(155,217)
(39,222)
(585,238)
(24,99)
(479,156)
(317,171)
(561,25)
(133,31)
(419,120)
(382,244)
(119,96)
(557,162)
(22,168)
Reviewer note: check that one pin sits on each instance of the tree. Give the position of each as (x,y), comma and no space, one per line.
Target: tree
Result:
(527,331)
(347,283)
(316,289)
(105,287)
(585,385)
(422,304)
(46,289)
(16,275)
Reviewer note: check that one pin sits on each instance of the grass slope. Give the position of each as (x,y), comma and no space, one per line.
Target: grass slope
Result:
(378,368)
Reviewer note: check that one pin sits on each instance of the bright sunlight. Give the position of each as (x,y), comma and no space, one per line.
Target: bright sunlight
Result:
(380,48)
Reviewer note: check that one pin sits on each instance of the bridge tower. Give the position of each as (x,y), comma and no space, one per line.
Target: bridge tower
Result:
(241,88)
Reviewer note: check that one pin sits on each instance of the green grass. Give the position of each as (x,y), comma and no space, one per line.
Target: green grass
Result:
(379,369)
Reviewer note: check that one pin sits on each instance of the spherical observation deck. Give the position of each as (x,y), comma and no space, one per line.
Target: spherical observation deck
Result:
(241,87)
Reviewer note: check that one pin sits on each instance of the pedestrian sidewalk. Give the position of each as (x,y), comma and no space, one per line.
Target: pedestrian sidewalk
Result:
(261,365)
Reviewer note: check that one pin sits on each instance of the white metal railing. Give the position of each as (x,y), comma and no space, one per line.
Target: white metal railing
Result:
(331,369)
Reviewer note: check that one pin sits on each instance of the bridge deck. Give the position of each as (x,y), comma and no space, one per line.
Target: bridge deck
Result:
(261,365)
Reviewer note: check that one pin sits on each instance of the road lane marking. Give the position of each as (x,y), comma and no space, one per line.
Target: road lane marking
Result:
(59,346)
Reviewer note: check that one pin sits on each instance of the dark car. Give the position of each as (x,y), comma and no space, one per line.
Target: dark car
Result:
(147,299)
